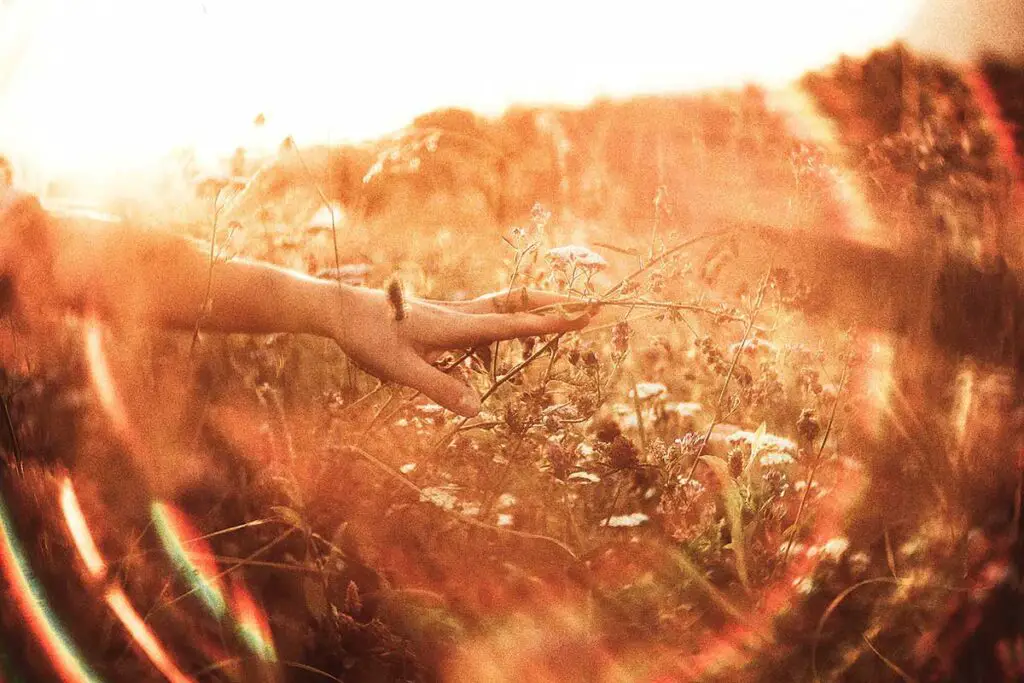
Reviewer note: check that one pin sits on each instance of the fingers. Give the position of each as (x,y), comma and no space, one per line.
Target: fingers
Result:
(462,330)
(446,391)
(510,301)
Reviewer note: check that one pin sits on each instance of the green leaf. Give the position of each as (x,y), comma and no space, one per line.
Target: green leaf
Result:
(733,512)
(316,598)
(692,572)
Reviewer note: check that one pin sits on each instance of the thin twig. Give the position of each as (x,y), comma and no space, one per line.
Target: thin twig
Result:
(443,441)
(728,378)
(376,416)
(383,467)
(889,663)
(665,254)
(838,600)
(817,461)
(15,445)
(639,303)
(246,560)
(207,299)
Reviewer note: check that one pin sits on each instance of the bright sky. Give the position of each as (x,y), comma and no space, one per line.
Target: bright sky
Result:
(114,84)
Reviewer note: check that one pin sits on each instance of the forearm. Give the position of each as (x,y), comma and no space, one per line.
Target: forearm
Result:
(146,277)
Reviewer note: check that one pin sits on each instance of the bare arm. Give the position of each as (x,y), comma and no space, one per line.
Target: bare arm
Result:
(142,277)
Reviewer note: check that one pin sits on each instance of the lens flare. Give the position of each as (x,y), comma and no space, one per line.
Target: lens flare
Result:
(79,531)
(143,636)
(114,595)
(37,613)
(252,625)
(102,379)
(191,556)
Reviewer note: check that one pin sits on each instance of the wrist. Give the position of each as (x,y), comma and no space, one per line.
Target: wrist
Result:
(329,315)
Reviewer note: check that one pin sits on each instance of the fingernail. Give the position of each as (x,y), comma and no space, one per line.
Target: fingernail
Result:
(469,405)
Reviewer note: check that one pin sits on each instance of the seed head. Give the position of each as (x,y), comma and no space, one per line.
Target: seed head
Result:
(353,602)
(622,453)
(396,297)
(807,425)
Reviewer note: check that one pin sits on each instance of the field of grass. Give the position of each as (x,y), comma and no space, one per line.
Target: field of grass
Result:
(725,477)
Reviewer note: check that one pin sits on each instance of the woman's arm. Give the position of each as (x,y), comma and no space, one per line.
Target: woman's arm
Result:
(135,276)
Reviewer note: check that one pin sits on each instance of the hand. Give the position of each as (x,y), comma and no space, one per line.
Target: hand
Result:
(402,350)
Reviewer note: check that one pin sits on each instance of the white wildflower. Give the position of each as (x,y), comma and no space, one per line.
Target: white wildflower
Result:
(834,548)
(754,345)
(769,443)
(505,501)
(684,409)
(773,458)
(631,520)
(326,219)
(441,496)
(646,390)
(576,256)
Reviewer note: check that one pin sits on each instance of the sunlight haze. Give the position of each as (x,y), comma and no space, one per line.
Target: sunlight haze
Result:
(112,85)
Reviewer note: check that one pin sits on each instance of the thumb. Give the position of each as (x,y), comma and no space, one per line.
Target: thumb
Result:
(443,389)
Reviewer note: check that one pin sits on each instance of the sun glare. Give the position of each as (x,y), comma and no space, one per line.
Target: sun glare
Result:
(111,86)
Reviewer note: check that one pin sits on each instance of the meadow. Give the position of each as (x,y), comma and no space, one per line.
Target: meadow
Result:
(726,477)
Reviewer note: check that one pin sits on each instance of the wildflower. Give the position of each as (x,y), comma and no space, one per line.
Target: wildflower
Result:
(646,390)
(753,345)
(441,496)
(607,430)
(807,425)
(794,549)
(540,216)
(631,520)
(860,563)
(690,487)
(775,482)
(622,453)
(737,459)
(505,501)
(326,219)
(684,409)
(429,409)
(834,548)
(576,256)
(353,603)
(804,585)
(620,337)
(767,443)
(773,458)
